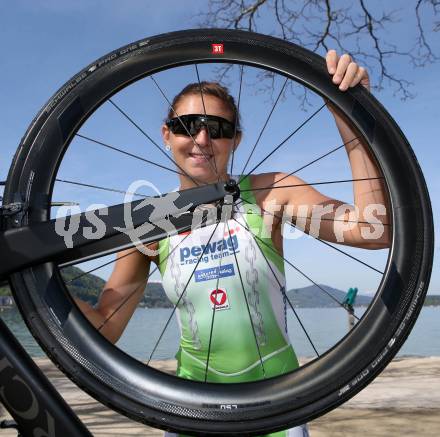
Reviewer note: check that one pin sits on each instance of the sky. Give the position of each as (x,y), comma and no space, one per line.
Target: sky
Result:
(45,42)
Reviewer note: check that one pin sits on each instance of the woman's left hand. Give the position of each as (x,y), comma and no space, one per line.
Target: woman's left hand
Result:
(346,73)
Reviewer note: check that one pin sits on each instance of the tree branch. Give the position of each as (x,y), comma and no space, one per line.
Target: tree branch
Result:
(318,25)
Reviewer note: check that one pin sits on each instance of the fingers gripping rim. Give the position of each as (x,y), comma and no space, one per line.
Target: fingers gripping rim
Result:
(263,406)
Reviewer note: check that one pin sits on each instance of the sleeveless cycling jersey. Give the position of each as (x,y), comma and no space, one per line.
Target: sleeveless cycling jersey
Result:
(235,296)
(247,309)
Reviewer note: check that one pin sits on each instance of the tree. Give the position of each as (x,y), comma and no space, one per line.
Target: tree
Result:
(353,27)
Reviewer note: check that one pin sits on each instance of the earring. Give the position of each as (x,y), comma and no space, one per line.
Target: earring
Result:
(167,147)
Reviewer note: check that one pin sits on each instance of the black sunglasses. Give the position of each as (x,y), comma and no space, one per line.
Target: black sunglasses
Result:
(191,124)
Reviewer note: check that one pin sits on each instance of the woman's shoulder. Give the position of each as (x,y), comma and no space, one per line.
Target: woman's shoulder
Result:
(272,179)
(152,252)
(147,253)
(264,186)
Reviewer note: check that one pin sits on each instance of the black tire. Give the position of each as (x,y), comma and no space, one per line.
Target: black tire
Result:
(167,402)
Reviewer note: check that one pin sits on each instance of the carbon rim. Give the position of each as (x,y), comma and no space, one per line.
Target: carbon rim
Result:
(381,321)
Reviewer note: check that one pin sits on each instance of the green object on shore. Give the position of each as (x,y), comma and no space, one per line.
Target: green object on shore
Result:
(350,297)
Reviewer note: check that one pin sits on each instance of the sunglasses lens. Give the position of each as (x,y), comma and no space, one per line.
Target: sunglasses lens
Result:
(179,128)
(214,129)
(227,130)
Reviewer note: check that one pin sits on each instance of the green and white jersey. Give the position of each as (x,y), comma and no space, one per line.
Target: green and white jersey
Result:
(246,311)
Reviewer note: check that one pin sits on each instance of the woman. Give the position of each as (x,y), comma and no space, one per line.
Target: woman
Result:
(235,274)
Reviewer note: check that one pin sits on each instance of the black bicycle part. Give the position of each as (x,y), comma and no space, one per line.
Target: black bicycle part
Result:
(162,400)
(38,409)
(179,207)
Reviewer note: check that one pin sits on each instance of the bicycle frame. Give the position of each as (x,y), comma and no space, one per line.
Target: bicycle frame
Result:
(175,209)
(33,402)
(30,398)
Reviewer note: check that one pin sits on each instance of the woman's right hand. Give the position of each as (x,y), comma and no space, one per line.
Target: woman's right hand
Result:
(345,72)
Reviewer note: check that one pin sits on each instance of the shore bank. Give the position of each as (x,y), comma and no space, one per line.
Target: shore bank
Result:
(403,400)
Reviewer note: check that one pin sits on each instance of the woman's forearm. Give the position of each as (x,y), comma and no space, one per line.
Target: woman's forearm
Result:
(92,314)
(366,192)
(106,327)
(369,194)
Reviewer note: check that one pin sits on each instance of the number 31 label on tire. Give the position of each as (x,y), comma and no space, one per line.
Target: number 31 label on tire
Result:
(219,299)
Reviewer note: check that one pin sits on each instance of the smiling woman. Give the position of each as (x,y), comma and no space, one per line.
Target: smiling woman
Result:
(237,371)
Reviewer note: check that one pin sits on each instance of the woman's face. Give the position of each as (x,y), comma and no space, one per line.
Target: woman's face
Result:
(201,161)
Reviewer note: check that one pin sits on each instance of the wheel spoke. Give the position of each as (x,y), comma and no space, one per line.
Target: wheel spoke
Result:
(128,153)
(151,140)
(97,187)
(297,269)
(180,298)
(236,120)
(346,254)
(204,112)
(99,267)
(186,129)
(305,184)
(264,127)
(326,243)
(263,211)
(144,283)
(214,308)
(283,142)
(283,290)
(249,310)
(316,159)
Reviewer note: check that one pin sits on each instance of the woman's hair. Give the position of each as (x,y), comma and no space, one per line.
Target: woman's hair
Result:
(210,89)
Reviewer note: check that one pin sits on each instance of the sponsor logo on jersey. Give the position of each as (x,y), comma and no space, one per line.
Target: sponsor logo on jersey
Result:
(214,273)
(219,299)
(212,251)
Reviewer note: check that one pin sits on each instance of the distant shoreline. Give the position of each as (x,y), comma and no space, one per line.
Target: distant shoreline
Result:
(426,304)
(88,287)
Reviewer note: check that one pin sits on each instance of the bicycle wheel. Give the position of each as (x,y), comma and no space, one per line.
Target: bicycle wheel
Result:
(142,392)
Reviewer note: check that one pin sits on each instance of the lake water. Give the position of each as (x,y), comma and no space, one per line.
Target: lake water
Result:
(325,327)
